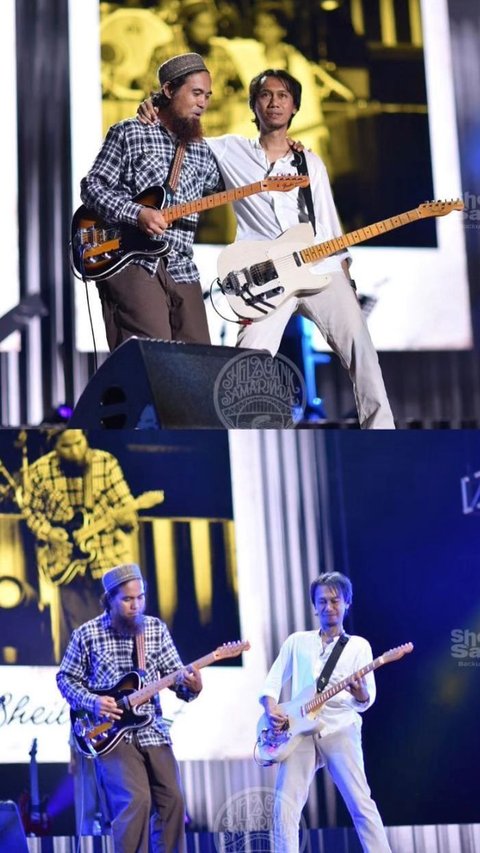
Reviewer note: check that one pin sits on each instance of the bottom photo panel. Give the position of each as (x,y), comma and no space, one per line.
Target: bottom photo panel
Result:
(196,632)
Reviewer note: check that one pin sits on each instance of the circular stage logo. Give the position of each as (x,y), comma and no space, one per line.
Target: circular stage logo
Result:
(257,391)
(245,823)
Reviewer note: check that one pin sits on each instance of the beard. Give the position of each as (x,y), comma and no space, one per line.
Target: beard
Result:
(185,129)
(128,627)
(71,468)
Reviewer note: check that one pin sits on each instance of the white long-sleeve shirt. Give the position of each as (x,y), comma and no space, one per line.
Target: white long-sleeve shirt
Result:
(267,215)
(302,659)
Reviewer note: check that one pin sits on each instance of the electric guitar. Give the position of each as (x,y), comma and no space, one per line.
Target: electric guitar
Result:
(99,249)
(35,819)
(98,736)
(66,560)
(274,745)
(257,276)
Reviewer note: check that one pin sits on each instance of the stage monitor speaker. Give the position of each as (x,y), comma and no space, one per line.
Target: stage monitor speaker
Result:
(12,835)
(159,384)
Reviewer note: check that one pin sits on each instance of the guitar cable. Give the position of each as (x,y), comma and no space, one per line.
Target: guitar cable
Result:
(99,827)
(90,320)
(82,812)
(253,299)
(260,763)
(216,282)
(82,277)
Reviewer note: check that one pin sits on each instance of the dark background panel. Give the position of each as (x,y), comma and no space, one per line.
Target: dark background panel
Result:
(413,557)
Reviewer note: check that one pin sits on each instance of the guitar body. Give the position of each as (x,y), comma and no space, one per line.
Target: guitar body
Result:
(99,736)
(274,746)
(119,244)
(272,276)
(108,734)
(35,818)
(67,560)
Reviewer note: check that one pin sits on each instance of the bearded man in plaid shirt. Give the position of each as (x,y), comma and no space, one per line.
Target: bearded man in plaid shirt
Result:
(64,483)
(140,774)
(157,297)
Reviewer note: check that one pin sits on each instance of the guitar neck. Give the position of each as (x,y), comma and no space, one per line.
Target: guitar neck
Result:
(138,697)
(330,247)
(34,788)
(94,527)
(325,695)
(210,201)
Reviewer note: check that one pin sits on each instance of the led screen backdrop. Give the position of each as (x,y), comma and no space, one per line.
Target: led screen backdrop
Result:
(377,105)
(184,542)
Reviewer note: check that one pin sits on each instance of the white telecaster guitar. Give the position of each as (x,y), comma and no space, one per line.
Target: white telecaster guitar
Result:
(274,745)
(257,276)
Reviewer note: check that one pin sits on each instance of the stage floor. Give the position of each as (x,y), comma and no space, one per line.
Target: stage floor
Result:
(463,838)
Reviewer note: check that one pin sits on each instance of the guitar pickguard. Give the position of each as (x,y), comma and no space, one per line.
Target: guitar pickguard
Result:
(98,736)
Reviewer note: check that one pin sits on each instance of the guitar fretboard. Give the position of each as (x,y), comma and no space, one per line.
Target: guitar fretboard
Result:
(176,211)
(323,697)
(138,697)
(330,247)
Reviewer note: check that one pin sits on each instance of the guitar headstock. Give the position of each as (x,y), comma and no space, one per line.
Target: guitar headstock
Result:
(150,499)
(284,183)
(397,653)
(231,650)
(439,208)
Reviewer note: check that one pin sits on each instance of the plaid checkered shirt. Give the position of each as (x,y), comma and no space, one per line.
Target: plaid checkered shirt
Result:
(136,156)
(97,657)
(98,488)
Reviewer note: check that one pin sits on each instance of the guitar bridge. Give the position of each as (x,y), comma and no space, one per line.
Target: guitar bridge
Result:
(239,281)
(274,737)
(261,299)
(80,726)
(235,283)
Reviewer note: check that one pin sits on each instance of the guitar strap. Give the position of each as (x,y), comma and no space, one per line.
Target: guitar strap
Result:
(331,663)
(140,666)
(300,161)
(140,654)
(171,181)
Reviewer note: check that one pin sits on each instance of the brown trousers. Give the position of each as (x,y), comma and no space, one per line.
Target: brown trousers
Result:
(138,780)
(136,303)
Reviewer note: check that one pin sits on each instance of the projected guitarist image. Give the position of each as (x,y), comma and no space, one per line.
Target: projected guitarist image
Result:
(334,738)
(136,766)
(275,97)
(81,511)
(148,283)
